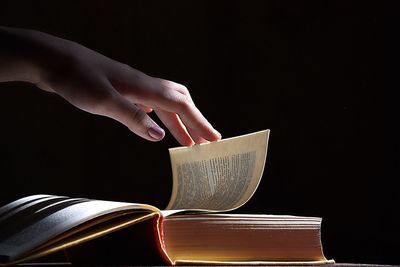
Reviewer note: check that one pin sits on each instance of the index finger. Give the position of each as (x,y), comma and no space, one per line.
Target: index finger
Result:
(175,98)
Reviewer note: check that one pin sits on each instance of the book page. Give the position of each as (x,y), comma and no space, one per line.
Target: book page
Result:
(32,221)
(218,176)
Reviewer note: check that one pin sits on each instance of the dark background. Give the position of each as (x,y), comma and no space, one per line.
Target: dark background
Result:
(306,70)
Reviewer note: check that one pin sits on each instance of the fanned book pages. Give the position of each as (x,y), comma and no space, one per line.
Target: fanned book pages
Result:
(195,228)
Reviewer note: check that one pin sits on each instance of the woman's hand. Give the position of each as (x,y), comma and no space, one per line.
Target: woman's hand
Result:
(100,85)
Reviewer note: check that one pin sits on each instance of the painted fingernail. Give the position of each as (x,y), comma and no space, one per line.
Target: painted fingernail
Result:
(156,132)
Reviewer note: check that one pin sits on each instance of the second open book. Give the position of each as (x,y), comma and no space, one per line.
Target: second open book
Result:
(208,181)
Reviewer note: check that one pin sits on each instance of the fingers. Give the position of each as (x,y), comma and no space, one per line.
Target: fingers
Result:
(197,138)
(133,117)
(199,128)
(176,127)
(172,103)
(197,125)
(175,99)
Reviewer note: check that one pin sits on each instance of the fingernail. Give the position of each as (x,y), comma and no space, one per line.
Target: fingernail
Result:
(156,132)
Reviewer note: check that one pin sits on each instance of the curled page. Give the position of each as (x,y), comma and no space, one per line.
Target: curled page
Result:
(218,176)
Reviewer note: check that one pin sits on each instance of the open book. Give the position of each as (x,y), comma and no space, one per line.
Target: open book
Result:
(195,228)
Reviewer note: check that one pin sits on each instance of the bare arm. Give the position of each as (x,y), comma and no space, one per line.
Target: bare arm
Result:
(100,85)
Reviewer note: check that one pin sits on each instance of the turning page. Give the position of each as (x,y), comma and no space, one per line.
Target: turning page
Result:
(218,176)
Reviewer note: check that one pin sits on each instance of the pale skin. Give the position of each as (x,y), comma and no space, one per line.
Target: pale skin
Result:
(102,86)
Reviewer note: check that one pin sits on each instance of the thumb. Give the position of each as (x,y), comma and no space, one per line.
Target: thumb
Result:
(133,117)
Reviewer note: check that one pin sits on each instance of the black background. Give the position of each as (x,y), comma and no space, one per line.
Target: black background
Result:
(306,70)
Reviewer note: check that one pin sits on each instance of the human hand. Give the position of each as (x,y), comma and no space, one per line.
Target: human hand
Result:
(100,85)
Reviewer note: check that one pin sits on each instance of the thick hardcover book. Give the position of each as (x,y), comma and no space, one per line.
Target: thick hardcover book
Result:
(197,227)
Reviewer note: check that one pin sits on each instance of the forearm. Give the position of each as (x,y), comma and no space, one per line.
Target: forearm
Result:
(30,56)
(17,56)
